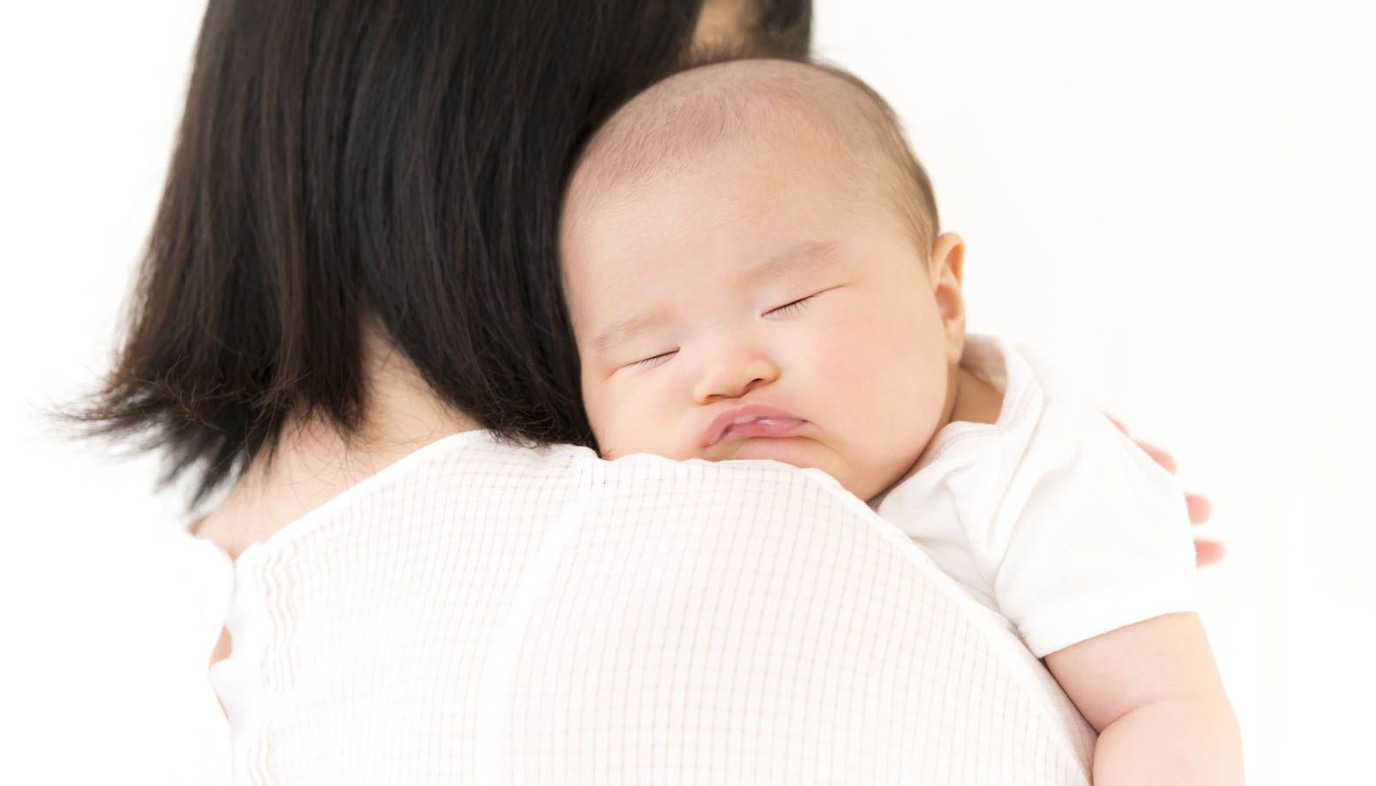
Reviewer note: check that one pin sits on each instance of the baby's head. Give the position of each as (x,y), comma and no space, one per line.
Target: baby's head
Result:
(753,271)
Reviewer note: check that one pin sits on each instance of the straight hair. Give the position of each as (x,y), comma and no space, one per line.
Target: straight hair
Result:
(392,163)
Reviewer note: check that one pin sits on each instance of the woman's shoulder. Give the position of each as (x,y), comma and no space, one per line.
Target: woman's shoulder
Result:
(497,491)
(480,474)
(487,460)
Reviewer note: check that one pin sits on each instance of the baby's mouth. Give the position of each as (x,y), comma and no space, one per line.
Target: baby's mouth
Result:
(751,421)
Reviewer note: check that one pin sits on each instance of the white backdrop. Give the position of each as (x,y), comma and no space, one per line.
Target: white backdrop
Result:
(1173,202)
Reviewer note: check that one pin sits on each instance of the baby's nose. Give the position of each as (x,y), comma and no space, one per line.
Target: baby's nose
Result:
(734,376)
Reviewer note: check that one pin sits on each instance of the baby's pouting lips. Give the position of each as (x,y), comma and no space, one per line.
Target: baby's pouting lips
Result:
(751,421)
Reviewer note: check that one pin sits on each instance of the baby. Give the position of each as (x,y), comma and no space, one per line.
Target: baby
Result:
(754,270)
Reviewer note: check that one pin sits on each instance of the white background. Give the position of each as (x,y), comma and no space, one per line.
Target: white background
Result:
(1171,201)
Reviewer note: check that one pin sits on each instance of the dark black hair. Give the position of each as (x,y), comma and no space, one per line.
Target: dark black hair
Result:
(785,29)
(398,162)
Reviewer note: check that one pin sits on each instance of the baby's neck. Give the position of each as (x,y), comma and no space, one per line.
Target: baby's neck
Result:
(975,400)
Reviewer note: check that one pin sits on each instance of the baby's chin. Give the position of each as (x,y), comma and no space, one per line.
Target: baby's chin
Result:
(801,452)
(798,451)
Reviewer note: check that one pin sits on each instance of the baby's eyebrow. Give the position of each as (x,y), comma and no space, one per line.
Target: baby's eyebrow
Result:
(803,257)
(625,329)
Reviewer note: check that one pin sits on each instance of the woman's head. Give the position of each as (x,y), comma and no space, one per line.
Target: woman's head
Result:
(388,166)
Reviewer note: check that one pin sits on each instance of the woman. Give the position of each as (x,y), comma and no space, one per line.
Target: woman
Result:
(349,321)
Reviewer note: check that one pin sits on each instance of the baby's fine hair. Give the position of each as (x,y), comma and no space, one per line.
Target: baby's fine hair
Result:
(697,109)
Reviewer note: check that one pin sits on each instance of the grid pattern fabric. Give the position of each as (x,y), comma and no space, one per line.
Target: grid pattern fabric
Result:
(487,614)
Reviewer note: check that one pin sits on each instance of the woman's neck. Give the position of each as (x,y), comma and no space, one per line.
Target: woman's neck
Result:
(315,461)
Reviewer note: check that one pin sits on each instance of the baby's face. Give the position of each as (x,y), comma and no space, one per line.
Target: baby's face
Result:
(748,308)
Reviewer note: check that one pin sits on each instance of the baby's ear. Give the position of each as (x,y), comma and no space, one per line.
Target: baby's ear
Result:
(946,265)
(948,250)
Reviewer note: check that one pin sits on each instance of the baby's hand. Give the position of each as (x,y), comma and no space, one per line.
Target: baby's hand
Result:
(1206,552)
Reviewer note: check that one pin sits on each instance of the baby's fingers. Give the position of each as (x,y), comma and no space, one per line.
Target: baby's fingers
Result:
(1166,460)
(1207,552)
(1200,508)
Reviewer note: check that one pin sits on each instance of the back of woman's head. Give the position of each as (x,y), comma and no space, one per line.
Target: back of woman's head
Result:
(395,164)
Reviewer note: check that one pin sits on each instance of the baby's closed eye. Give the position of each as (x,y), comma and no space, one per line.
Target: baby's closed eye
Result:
(795,307)
(652,361)
(789,309)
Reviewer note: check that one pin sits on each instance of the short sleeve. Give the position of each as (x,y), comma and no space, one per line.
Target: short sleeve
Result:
(1096,535)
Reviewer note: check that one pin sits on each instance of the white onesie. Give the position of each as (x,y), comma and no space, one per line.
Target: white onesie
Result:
(1050,516)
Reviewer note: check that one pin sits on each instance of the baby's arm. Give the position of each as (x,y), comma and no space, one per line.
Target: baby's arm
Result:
(1154,694)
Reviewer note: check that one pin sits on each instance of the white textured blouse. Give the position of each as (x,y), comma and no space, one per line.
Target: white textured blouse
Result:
(480,613)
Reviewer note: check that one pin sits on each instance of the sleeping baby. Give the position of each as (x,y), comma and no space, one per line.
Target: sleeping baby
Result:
(754,269)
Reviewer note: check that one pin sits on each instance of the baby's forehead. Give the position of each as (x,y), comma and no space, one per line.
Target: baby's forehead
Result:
(806,115)
(701,110)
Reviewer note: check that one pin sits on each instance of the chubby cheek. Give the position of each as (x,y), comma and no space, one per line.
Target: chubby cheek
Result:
(627,421)
(890,389)
(914,394)
(916,346)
